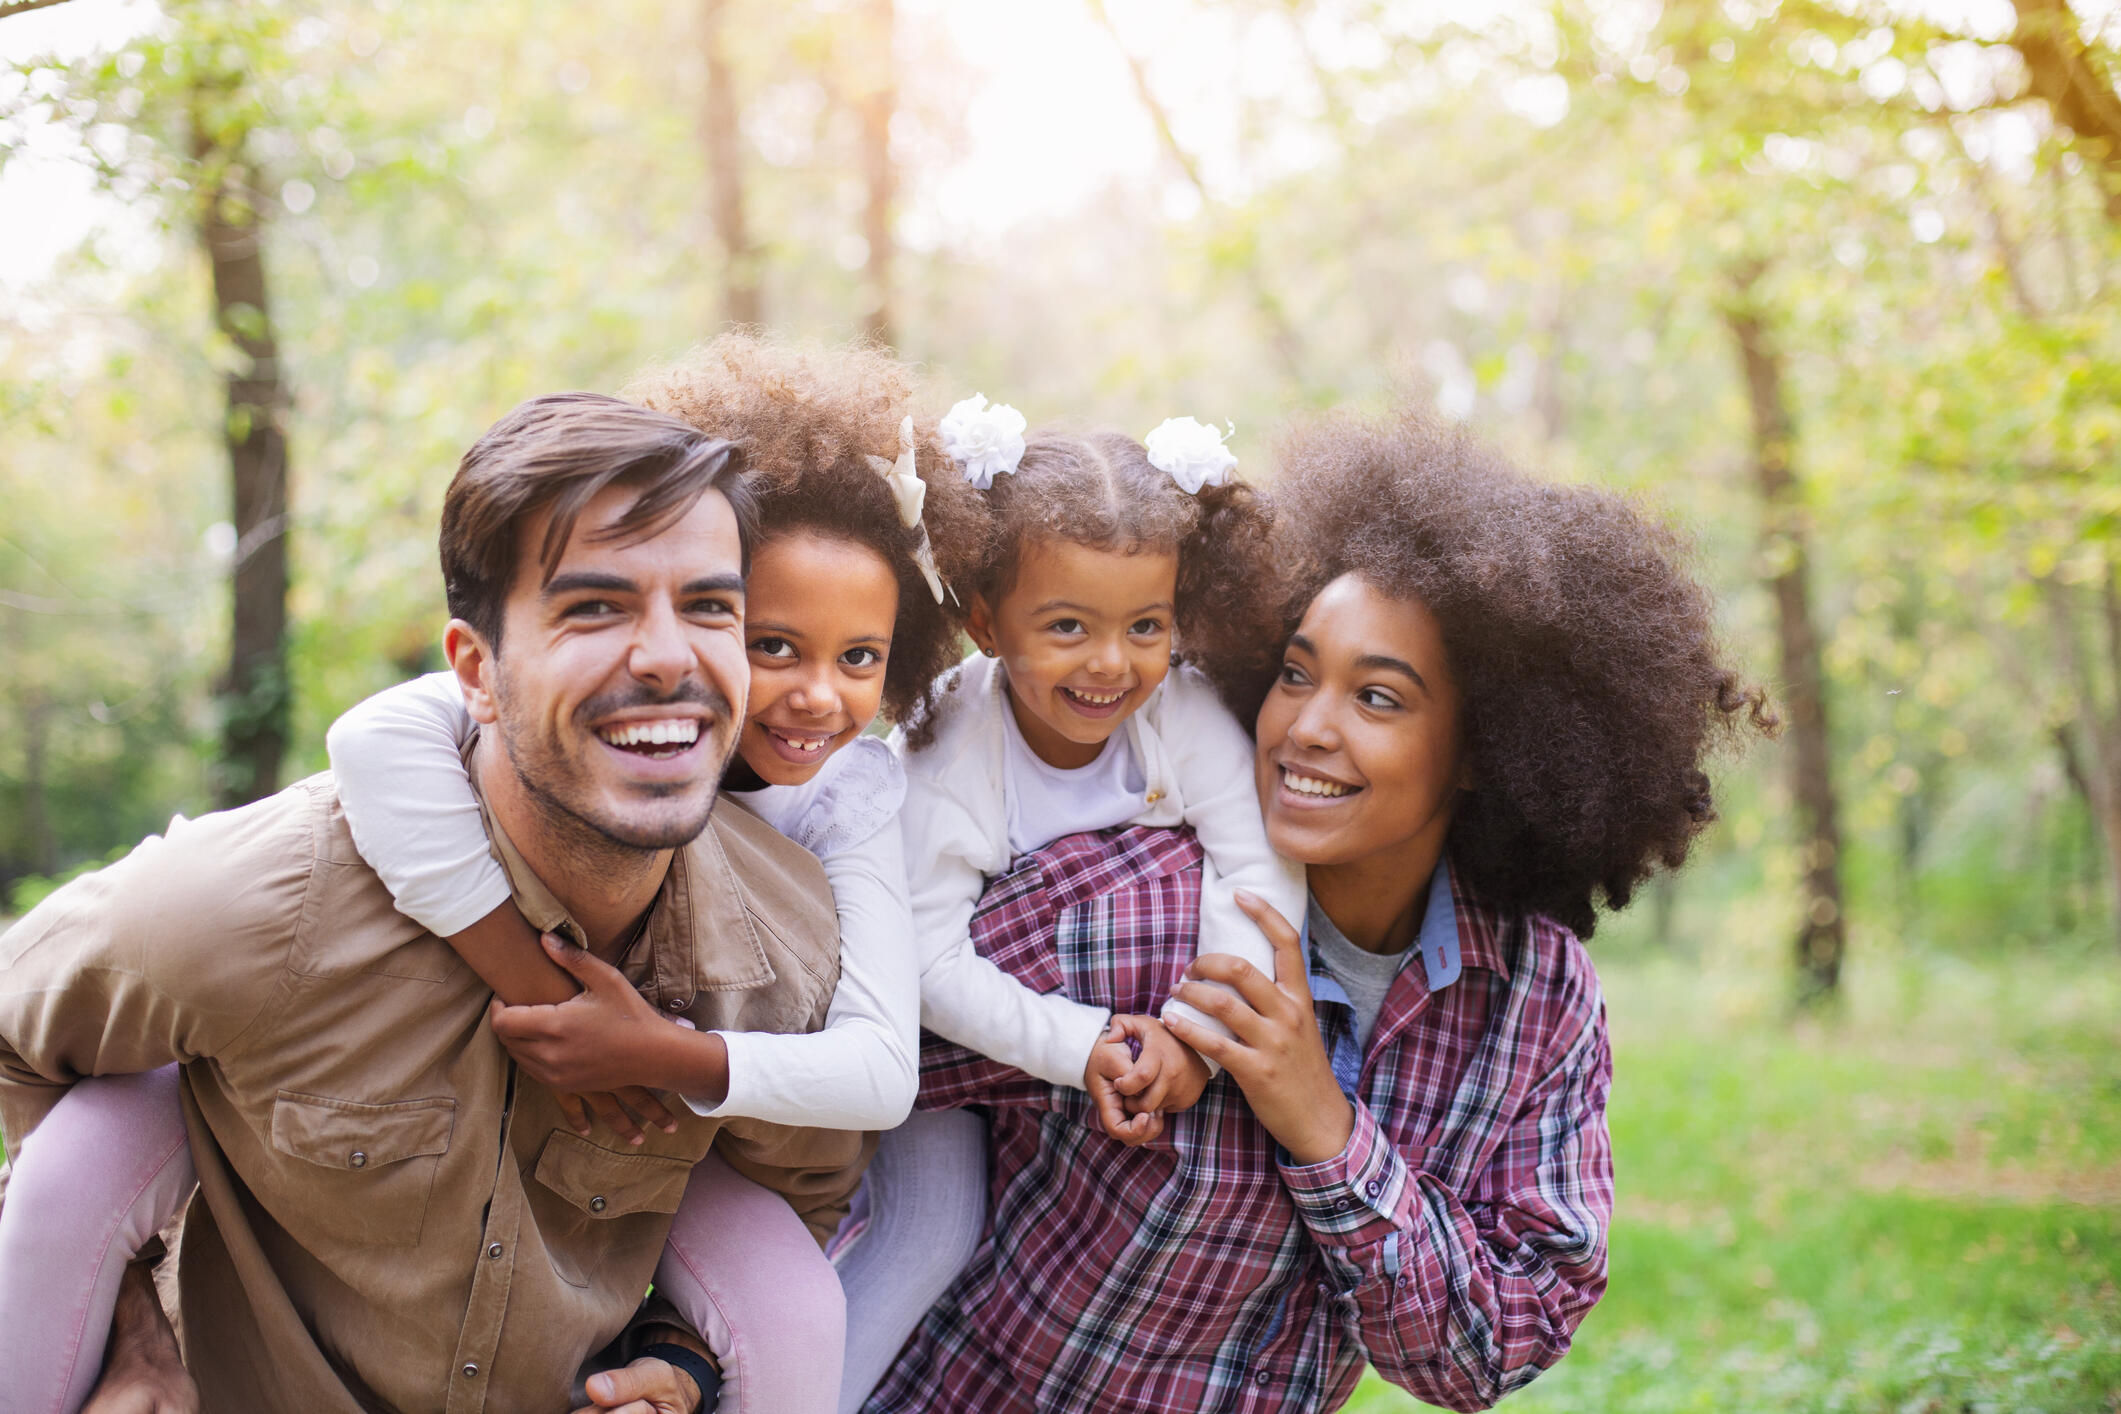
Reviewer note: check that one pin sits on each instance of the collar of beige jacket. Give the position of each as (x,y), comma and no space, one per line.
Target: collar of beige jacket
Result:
(700,935)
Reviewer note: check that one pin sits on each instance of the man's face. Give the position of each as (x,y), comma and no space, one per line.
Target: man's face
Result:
(619,687)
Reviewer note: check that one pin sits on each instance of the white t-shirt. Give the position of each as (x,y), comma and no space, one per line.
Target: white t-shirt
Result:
(397,761)
(1048,802)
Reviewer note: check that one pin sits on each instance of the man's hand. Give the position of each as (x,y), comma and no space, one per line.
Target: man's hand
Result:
(1278,1057)
(607,1038)
(1169,1075)
(647,1386)
(1109,1060)
(142,1370)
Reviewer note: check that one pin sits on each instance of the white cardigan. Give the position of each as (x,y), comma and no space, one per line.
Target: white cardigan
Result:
(396,759)
(1198,767)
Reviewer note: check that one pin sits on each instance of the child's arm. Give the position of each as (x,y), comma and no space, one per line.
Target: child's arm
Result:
(862,1069)
(1211,758)
(965,997)
(397,761)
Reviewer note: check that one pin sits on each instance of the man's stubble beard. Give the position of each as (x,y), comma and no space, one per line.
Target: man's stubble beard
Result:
(543,768)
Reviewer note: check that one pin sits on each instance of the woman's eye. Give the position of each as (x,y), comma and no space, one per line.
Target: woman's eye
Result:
(1292,676)
(773,647)
(861,657)
(1376,700)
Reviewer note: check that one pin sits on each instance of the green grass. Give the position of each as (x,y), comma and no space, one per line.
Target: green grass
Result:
(1911,1206)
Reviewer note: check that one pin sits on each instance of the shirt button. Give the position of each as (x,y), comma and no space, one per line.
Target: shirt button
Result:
(357,1160)
(1153,796)
(596,1204)
(1263,1377)
(1374,1187)
(494,1251)
(471,1370)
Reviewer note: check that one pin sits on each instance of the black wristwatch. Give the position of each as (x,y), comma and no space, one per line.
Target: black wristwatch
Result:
(694,1364)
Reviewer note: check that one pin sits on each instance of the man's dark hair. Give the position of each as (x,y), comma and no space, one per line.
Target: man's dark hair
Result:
(553,454)
(1593,686)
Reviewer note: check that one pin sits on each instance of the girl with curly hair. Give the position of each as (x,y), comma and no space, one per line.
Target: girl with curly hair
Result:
(1104,562)
(1489,718)
(857,520)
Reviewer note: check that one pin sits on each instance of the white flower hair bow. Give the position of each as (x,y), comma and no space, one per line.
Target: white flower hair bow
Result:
(984,441)
(1191,453)
(911,494)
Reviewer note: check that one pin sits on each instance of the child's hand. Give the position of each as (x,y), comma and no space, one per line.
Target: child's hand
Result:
(607,1038)
(1168,1077)
(1109,1059)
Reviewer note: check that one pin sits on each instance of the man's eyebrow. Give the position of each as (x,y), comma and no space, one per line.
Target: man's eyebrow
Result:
(715,584)
(577,581)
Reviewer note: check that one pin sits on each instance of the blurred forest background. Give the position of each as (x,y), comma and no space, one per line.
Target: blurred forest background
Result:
(1831,283)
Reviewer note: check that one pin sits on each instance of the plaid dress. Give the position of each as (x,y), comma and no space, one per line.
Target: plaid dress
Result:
(1455,1244)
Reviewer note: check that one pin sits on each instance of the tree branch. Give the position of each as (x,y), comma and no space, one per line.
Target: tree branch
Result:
(23,7)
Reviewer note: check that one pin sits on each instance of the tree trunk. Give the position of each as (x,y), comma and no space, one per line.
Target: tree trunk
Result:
(742,301)
(2078,92)
(878,99)
(255,691)
(2091,741)
(1784,534)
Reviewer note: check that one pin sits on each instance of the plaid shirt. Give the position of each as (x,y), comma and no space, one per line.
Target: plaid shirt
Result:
(1455,1244)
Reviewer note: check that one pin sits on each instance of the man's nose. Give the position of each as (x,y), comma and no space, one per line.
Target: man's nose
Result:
(662,652)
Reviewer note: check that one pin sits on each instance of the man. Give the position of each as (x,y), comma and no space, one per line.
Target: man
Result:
(391,1215)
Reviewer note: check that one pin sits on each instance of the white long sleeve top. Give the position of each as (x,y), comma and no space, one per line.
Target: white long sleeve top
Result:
(397,760)
(1196,765)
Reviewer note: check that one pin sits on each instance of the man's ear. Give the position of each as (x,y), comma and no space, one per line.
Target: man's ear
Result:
(471,658)
(979,623)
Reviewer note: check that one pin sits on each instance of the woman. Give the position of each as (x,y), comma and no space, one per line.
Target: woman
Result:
(1490,719)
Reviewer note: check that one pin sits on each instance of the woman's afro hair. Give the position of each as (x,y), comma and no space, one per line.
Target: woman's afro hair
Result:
(809,418)
(1592,686)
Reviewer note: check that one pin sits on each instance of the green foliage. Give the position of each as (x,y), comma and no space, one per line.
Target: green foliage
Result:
(1916,1206)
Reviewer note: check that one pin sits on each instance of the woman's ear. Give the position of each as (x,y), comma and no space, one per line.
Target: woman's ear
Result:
(979,623)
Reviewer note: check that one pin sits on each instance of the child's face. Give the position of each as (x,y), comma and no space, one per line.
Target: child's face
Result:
(817,624)
(1086,637)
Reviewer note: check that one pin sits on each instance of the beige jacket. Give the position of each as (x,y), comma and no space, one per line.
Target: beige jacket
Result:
(391,1216)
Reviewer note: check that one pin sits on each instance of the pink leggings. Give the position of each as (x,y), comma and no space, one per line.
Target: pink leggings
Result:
(109,1166)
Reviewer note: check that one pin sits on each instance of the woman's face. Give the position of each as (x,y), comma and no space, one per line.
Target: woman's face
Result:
(817,622)
(1359,752)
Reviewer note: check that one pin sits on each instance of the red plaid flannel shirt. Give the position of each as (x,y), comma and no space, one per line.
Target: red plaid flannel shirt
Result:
(1455,1244)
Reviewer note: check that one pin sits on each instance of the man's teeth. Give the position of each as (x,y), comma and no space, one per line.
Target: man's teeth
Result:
(676,731)
(1312,785)
(1095,699)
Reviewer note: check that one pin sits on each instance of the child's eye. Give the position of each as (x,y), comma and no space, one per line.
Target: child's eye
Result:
(1066,626)
(1144,628)
(861,657)
(773,647)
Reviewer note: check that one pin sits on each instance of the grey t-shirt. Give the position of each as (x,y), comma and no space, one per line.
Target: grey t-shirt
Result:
(1364,976)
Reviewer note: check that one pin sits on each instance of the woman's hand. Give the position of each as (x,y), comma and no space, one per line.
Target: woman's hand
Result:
(1278,1058)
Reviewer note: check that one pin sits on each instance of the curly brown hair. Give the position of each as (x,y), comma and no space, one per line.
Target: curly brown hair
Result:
(1098,489)
(1592,684)
(808,419)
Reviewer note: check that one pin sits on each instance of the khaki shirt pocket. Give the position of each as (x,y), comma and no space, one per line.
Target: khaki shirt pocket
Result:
(372,1167)
(595,1185)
